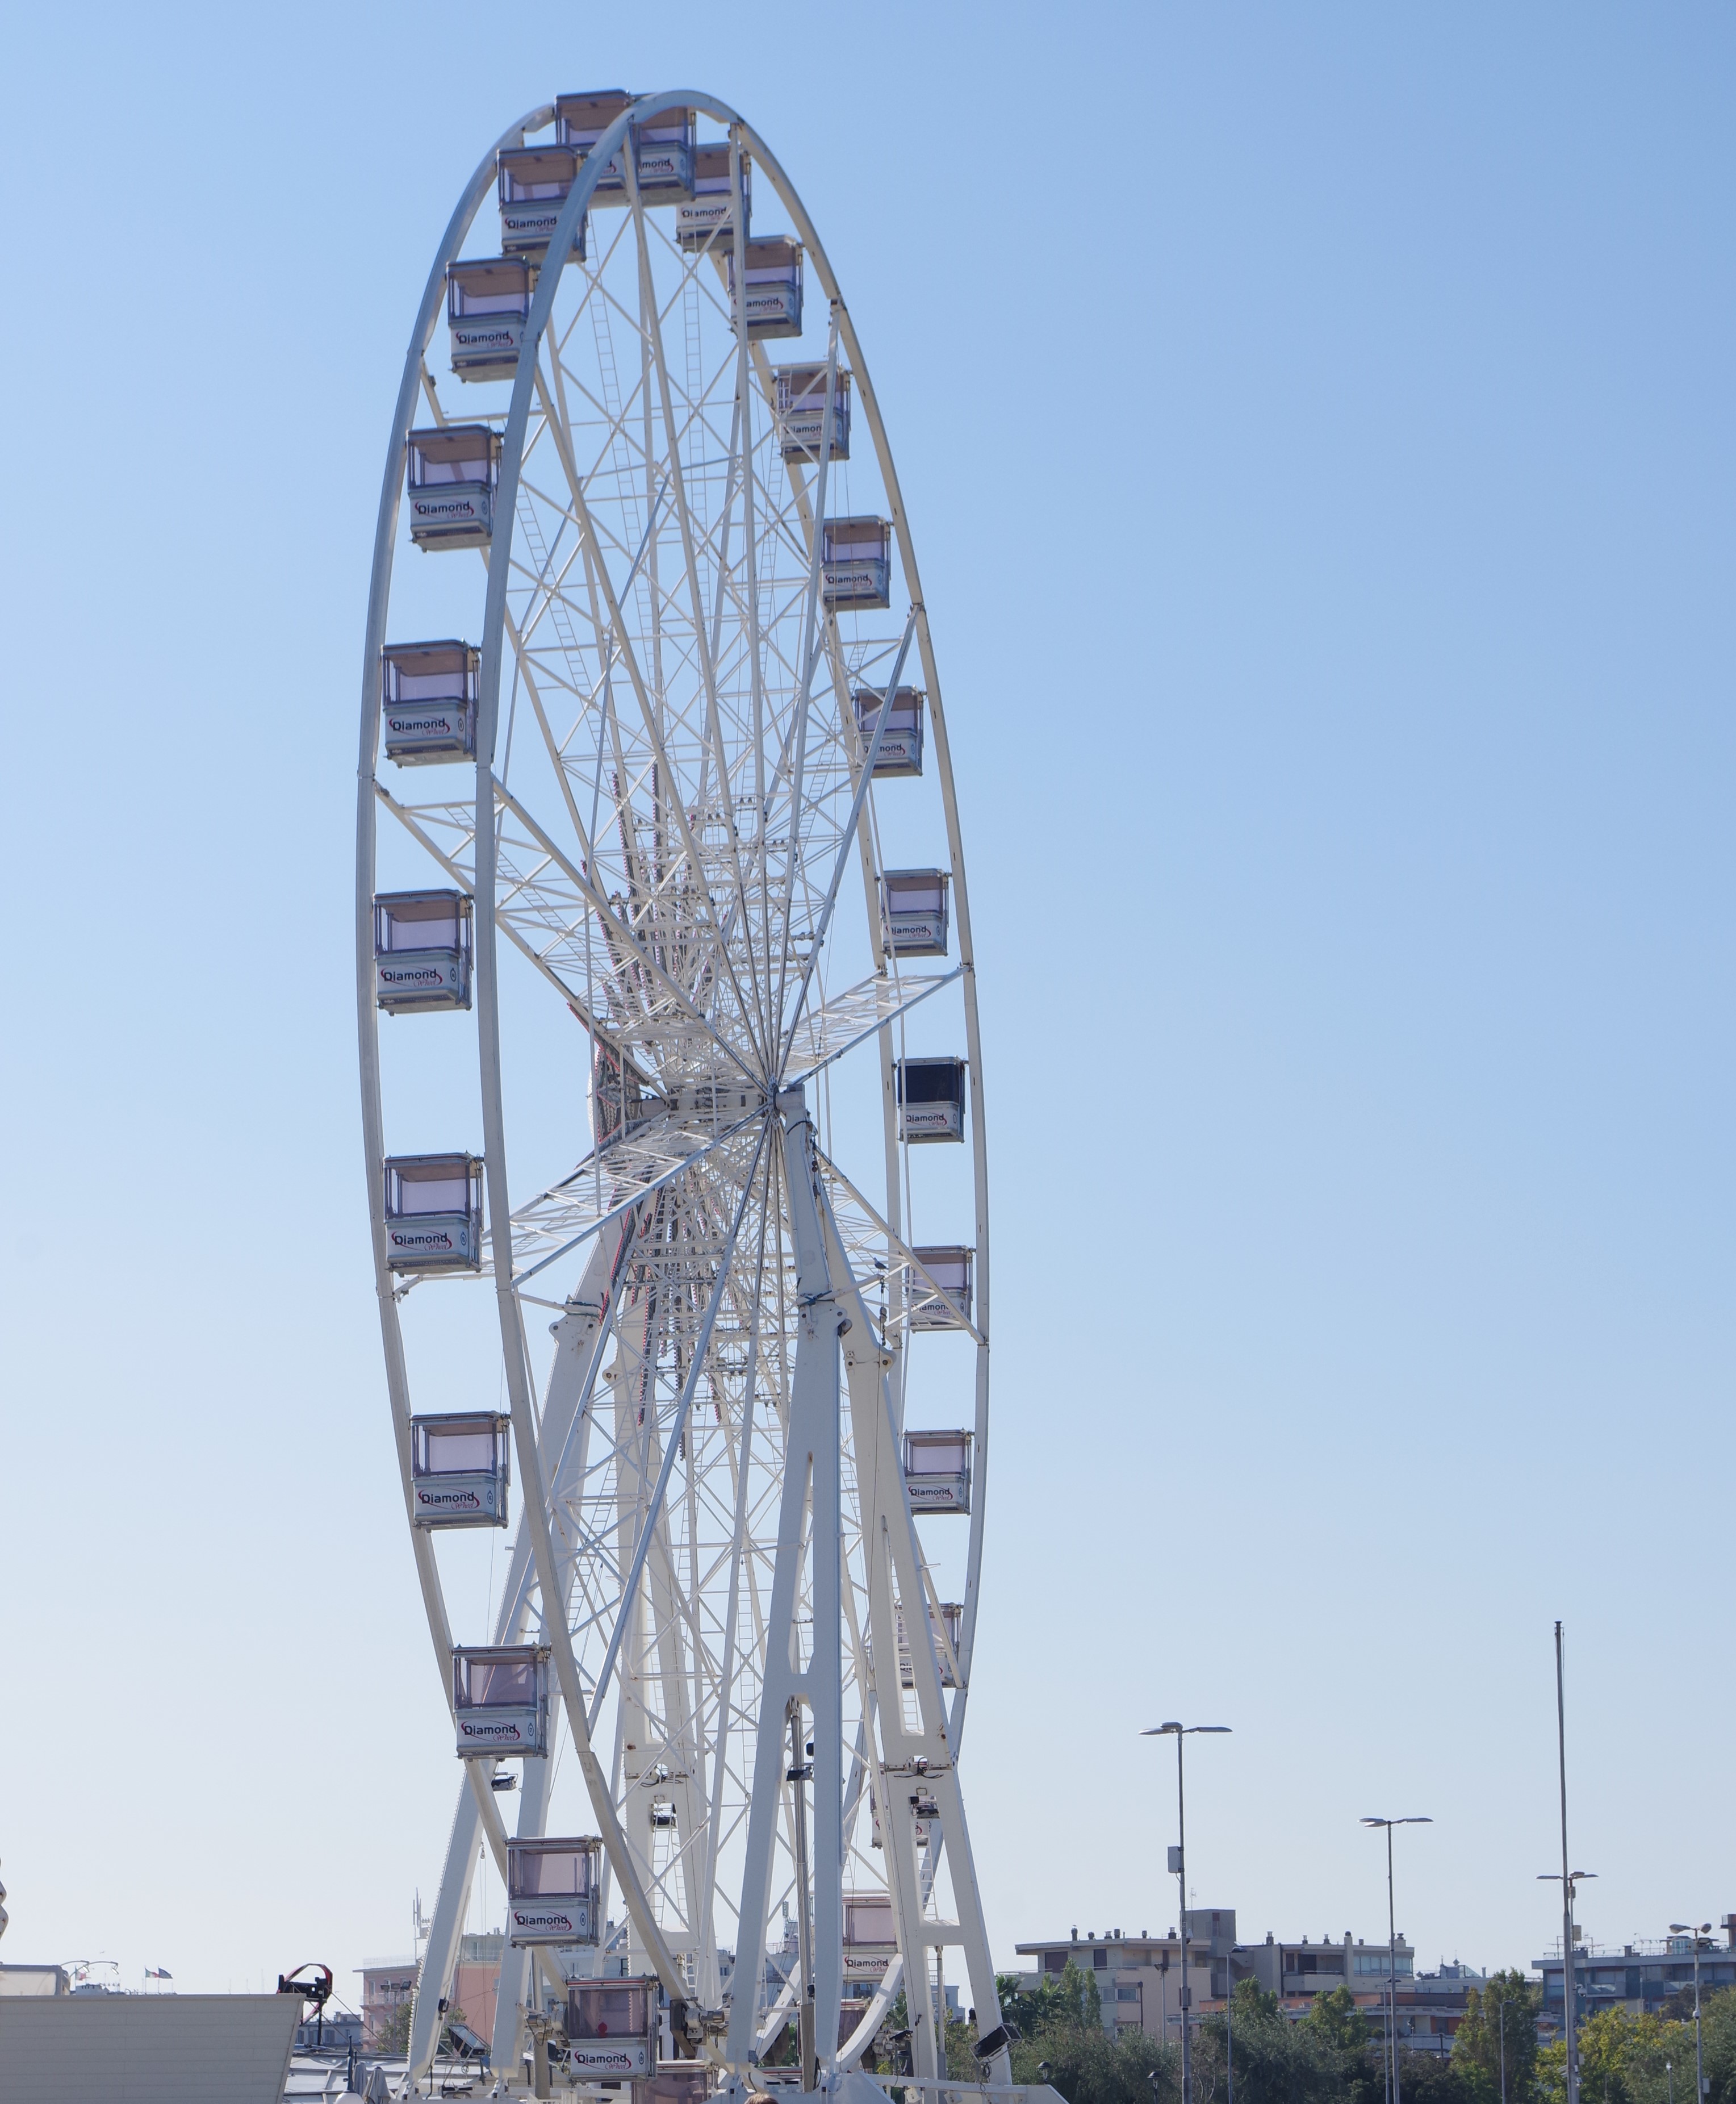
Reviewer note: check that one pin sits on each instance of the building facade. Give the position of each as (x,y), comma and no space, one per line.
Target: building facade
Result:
(1139,1977)
(1638,1977)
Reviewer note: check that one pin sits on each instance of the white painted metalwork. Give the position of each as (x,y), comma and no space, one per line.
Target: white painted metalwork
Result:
(677,735)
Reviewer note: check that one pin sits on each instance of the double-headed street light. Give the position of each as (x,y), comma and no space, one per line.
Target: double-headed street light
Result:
(1392,1944)
(1682,1928)
(1178,1864)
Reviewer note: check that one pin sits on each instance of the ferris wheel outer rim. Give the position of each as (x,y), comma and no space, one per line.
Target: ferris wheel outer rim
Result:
(495,1170)
(367,1014)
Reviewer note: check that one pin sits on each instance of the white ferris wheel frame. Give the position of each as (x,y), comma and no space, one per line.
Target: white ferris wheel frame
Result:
(580,1352)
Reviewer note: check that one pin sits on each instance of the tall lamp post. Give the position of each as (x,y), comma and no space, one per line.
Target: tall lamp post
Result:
(1392,1944)
(1570,1882)
(1682,1928)
(1178,1864)
(1567,1886)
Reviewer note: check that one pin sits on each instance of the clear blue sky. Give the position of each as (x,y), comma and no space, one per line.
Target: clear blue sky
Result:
(1317,424)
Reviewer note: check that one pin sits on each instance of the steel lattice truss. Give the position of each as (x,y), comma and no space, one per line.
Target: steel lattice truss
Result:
(671,835)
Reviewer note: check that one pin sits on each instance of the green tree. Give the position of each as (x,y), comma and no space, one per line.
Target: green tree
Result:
(1070,1996)
(1622,2060)
(1433,2078)
(392,2036)
(1339,2020)
(1087,2066)
(1499,2027)
(1250,2003)
(1276,2061)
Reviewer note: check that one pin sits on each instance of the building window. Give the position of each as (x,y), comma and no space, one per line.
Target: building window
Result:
(1100,1959)
(1054,1961)
(1122,1994)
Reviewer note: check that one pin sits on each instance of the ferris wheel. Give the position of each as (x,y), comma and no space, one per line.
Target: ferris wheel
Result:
(672,1097)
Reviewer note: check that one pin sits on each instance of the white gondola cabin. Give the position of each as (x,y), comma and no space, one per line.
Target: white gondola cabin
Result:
(452,476)
(950,1622)
(433,1212)
(500,1699)
(460,1469)
(705,216)
(901,741)
(931,1100)
(532,182)
(422,950)
(773,266)
(801,412)
(428,698)
(663,162)
(937,1471)
(612,2028)
(856,557)
(950,1268)
(552,1889)
(913,912)
(487,304)
(871,1935)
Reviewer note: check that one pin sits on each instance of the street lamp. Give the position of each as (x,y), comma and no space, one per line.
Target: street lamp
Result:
(1502,2006)
(1569,1882)
(1681,1928)
(1178,1864)
(1392,1943)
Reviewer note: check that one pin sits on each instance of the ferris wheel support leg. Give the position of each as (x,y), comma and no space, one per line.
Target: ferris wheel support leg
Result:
(895,1558)
(443,1932)
(579,1338)
(812,1456)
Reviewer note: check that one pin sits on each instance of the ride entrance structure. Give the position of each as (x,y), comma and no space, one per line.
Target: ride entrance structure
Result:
(650,1091)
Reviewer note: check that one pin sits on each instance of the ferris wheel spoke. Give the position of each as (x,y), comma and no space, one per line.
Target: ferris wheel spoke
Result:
(706,657)
(642,1548)
(623,933)
(675,804)
(824,1035)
